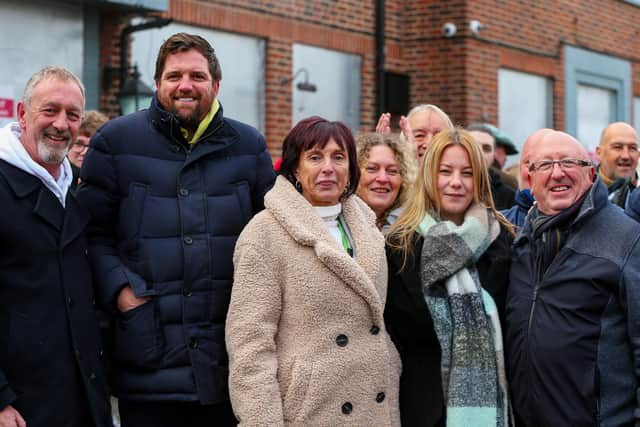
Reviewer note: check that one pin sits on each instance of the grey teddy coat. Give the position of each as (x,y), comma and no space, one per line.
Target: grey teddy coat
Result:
(305,331)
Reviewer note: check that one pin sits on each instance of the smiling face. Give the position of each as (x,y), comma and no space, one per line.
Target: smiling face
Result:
(618,151)
(78,150)
(186,88)
(558,189)
(323,173)
(455,183)
(50,121)
(424,125)
(380,180)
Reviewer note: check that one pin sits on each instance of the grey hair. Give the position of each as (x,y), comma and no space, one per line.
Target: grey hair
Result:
(50,72)
(433,109)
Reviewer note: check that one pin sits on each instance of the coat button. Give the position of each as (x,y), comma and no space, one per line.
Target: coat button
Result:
(374,330)
(186,292)
(70,302)
(342,340)
(184,192)
(380,397)
(92,377)
(188,240)
(193,343)
(347,408)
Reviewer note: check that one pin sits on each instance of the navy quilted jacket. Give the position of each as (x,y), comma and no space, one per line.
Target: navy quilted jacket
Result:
(165,218)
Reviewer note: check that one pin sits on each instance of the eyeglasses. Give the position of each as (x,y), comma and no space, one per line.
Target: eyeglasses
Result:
(79,146)
(565,164)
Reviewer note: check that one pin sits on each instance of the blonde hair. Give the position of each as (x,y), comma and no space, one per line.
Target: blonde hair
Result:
(91,121)
(423,196)
(366,141)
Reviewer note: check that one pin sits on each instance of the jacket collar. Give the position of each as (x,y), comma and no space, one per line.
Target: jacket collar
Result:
(70,221)
(303,224)
(168,124)
(524,199)
(595,199)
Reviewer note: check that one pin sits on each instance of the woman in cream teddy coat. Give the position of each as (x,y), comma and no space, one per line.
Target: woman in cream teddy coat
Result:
(305,332)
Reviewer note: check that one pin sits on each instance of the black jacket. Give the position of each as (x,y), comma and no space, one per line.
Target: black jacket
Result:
(411,328)
(503,195)
(50,354)
(165,218)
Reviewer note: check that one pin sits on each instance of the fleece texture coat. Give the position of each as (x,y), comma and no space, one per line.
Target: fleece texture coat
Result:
(305,334)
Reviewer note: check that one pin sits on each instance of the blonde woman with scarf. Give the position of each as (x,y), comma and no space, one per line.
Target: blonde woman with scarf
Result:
(448,257)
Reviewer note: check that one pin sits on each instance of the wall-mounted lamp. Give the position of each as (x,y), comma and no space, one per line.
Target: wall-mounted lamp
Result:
(134,94)
(305,85)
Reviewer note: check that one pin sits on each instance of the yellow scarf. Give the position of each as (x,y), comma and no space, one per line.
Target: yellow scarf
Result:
(604,178)
(204,124)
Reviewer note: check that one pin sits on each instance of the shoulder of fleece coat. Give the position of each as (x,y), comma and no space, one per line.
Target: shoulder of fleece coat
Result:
(294,213)
(298,218)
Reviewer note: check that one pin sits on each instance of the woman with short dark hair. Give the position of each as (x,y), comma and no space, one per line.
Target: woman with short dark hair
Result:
(305,331)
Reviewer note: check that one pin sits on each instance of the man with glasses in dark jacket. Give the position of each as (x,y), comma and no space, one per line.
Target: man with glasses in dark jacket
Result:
(573,304)
(170,189)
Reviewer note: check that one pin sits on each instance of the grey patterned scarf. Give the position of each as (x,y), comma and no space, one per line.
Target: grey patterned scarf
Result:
(465,318)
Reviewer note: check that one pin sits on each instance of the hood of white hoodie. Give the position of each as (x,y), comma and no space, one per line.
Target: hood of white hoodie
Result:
(13,152)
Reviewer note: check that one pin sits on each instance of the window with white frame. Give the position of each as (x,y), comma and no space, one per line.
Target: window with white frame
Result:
(518,118)
(242,87)
(336,77)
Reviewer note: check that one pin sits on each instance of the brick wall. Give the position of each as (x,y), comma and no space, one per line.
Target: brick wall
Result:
(459,74)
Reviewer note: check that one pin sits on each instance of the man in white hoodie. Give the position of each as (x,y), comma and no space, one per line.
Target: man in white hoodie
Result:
(50,367)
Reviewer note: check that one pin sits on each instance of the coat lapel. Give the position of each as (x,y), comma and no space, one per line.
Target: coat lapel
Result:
(300,220)
(76,219)
(46,206)
(49,209)
(71,221)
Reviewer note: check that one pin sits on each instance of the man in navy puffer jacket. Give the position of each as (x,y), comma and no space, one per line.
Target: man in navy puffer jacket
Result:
(169,190)
(573,303)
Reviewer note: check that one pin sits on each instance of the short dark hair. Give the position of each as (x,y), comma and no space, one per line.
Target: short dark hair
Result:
(316,131)
(182,42)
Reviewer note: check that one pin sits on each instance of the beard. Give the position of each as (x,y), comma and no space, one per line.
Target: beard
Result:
(189,120)
(49,154)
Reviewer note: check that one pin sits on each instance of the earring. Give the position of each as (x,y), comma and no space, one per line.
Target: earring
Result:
(298,186)
(346,189)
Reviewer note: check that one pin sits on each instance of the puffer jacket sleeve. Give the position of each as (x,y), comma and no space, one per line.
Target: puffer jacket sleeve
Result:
(265,177)
(630,298)
(99,193)
(251,328)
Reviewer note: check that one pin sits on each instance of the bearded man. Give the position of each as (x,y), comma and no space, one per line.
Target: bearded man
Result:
(170,189)
(50,354)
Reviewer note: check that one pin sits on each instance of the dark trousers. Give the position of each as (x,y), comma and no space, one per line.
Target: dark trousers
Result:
(139,413)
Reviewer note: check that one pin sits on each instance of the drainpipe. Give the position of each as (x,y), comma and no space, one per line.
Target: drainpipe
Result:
(380,58)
